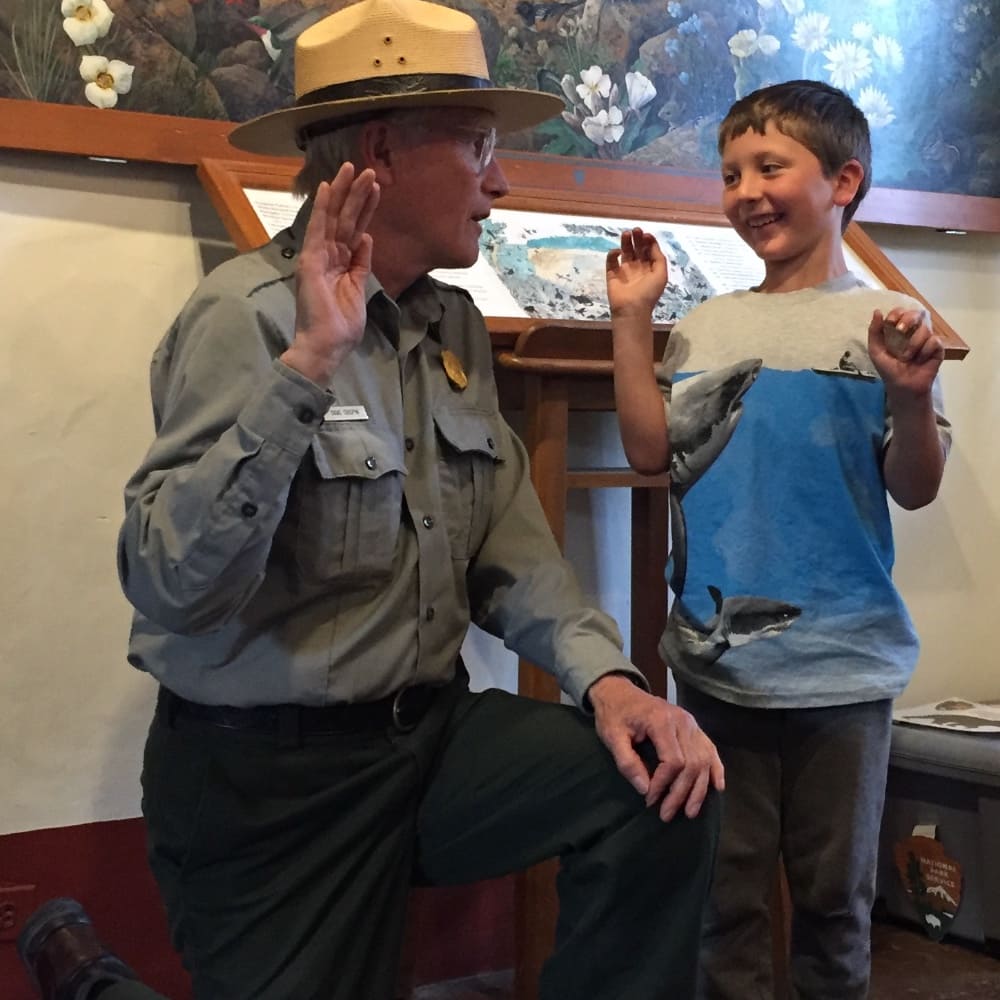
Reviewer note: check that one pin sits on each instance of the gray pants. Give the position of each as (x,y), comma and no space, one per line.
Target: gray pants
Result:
(285,864)
(807,785)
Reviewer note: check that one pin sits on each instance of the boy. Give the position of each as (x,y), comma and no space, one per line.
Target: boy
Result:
(786,536)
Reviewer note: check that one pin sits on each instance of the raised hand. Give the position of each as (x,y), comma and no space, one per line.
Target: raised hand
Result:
(907,354)
(905,351)
(636,273)
(334,263)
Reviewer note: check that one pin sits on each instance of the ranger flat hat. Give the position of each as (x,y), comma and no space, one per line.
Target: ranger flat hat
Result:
(378,55)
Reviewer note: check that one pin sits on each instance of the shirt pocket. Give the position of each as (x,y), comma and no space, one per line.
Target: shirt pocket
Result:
(468,447)
(348,507)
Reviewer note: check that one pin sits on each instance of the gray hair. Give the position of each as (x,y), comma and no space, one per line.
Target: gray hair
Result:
(324,156)
(327,151)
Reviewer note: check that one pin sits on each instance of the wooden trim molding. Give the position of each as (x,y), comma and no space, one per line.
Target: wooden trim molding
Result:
(134,135)
(225,180)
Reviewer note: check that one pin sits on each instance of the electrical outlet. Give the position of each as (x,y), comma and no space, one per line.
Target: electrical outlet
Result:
(17,903)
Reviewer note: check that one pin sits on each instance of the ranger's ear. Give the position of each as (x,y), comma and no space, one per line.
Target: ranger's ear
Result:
(379,148)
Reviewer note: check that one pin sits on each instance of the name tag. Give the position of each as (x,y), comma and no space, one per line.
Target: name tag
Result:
(346,413)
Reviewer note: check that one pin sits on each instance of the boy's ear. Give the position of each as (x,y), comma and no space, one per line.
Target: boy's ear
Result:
(379,151)
(847,181)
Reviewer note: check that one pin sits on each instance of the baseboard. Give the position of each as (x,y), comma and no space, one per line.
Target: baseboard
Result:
(104,866)
(454,932)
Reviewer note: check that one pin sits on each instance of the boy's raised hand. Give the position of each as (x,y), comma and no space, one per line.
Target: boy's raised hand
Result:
(905,350)
(636,273)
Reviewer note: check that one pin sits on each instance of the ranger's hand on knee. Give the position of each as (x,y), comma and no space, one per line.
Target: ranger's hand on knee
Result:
(688,762)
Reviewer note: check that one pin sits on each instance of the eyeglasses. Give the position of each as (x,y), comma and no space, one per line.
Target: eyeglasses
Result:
(480,141)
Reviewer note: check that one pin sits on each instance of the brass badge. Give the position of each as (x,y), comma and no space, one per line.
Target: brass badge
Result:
(454,370)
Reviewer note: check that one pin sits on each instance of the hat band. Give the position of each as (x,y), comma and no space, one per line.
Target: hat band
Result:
(389,86)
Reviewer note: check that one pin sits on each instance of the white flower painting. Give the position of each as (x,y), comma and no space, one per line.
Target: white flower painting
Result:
(86,20)
(105,79)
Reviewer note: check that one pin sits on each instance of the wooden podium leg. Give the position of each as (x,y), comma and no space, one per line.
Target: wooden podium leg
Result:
(536,903)
(649,584)
(546,432)
(546,404)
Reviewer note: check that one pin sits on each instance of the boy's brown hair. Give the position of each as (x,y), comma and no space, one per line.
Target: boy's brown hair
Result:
(824,119)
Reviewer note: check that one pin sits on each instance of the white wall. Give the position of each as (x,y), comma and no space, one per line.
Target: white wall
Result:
(948,554)
(95,260)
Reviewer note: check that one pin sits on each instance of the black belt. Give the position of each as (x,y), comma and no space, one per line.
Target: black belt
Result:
(402,710)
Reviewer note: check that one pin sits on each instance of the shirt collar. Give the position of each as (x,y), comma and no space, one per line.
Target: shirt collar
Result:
(419,308)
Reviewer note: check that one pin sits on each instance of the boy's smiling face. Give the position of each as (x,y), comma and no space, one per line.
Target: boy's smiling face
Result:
(784,208)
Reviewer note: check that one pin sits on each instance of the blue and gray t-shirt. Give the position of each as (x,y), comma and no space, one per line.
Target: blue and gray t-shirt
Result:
(782,544)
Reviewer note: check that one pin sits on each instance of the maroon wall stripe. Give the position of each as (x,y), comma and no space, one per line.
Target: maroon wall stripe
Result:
(454,931)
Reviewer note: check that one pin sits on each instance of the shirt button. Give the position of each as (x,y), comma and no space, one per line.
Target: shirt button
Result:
(429,614)
(288,253)
(306,415)
(428,521)
(249,509)
(410,444)
(489,443)
(370,462)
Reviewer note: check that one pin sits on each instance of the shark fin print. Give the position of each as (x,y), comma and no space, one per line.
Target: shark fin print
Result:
(746,619)
(737,621)
(705,410)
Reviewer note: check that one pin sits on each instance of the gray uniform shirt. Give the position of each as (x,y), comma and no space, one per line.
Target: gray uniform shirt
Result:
(283,543)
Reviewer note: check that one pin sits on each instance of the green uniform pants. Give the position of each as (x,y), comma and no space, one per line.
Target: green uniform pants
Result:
(285,862)
(129,990)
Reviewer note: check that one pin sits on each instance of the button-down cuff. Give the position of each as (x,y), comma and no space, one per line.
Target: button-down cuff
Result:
(577,682)
(288,411)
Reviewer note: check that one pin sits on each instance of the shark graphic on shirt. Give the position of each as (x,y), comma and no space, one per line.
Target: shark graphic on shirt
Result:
(736,622)
(704,413)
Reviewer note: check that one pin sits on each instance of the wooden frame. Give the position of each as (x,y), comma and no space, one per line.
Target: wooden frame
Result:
(133,135)
(225,181)
(665,73)
(126,135)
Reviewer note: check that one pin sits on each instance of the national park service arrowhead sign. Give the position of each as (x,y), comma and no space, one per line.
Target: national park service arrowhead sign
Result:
(932,880)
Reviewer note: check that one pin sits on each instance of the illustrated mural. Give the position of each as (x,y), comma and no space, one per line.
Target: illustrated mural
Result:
(644,81)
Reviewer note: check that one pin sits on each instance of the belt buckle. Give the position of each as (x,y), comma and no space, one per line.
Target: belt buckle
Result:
(399,715)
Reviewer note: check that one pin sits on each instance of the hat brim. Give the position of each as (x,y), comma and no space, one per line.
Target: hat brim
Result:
(275,134)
